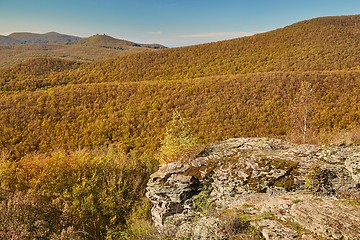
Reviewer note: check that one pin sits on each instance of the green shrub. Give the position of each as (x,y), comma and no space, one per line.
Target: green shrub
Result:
(177,142)
(86,193)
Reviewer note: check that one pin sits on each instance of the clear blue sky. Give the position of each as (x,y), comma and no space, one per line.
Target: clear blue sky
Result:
(169,22)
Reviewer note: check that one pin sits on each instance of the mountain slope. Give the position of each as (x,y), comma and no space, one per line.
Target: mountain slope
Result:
(240,87)
(135,113)
(79,140)
(324,44)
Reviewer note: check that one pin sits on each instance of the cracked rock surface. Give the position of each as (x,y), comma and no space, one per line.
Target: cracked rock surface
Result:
(258,186)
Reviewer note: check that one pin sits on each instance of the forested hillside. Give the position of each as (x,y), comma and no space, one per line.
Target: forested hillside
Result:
(244,86)
(89,115)
(324,44)
(19,47)
(108,119)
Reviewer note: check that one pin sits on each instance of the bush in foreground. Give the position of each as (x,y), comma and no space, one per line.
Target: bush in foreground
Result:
(87,194)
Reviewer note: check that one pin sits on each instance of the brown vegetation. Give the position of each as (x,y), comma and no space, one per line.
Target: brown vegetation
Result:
(135,114)
(51,108)
(87,192)
(95,48)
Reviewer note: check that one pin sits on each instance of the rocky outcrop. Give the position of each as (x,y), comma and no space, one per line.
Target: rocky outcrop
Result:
(265,188)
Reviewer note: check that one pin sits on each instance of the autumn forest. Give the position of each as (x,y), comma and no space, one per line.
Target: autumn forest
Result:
(78,140)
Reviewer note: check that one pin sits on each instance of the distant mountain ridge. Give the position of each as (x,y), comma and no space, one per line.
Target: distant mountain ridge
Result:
(22,46)
(6,40)
(54,37)
(32,38)
(108,41)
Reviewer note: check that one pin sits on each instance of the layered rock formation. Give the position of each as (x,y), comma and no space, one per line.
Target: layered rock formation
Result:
(257,188)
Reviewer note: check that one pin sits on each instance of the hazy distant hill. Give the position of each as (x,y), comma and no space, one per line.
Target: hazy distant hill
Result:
(104,40)
(18,47)
(110,42)
(51,37)
(5,40)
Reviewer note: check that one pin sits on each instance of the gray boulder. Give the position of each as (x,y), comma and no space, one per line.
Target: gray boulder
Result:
(262,187)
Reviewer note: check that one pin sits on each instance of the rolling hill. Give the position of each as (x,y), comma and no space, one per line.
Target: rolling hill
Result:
(18,47)
(5,40)
(50,37)
(324,44)
(110,42)
(238,87)
(79,139)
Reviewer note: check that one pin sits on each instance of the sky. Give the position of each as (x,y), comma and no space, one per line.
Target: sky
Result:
(169,22)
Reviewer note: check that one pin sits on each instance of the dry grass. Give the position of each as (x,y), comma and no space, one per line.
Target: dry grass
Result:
(339,137)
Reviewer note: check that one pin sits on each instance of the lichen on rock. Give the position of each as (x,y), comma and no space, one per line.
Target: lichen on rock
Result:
(287,181)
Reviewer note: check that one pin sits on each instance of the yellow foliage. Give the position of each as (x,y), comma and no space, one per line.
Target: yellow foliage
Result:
(89,191)
(177,141)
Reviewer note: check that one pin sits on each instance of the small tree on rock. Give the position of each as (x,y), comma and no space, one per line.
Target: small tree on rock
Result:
(177,141)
